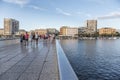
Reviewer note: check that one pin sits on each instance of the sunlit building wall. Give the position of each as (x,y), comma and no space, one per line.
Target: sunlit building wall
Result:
(68,31)
(41,31)
(63,30)
(72,31)
(1,31)
(106,30)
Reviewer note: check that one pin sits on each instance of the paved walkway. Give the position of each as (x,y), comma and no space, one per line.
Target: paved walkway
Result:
(31,62)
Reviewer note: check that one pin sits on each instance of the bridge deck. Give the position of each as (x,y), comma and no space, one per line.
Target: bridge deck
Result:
(19,62)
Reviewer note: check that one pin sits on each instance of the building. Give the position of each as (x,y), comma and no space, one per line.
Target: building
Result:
(21,31)
(72,31)
(82,30)
(89,30)
(41,31)
(52,31)
(1,31)
(63,30)
(68,31)
(92,26)
(11,26)
(107,31)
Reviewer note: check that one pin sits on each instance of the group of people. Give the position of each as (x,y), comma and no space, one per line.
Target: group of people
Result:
(24,38)
(34,37)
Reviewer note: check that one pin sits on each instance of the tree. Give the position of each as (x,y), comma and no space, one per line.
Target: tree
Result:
(117,34)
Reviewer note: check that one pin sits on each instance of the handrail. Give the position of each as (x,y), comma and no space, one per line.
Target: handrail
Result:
(65,70)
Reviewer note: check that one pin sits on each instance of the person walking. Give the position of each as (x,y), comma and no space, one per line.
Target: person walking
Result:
(26,38)
(21,38)
(33,37)
(36,37)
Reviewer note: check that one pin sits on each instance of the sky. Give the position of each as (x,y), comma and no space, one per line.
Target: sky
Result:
(36,14)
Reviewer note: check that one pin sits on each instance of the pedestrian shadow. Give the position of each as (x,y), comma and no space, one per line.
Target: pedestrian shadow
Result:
(45,43)
(23,49)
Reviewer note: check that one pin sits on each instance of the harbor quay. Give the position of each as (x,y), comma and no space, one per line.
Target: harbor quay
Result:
(31,62)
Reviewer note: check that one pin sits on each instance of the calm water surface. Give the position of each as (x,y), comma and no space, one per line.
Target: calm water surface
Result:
(94,59)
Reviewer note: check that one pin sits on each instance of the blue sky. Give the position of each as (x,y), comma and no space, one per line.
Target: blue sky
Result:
(35,14)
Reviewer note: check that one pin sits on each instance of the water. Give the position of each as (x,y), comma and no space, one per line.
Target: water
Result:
(94,59)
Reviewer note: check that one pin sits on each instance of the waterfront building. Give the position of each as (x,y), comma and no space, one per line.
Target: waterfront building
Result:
(72,31)
(89,30)
(11,26)
(82,31)
(52,31)
(68,31)
(41,31)
(107,31)
(91,26)
(1,31)
(63,30)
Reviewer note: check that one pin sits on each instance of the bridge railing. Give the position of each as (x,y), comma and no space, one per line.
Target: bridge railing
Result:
(66,72)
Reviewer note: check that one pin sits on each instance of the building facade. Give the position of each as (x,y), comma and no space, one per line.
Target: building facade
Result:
(63,30)
(1,31)
(68,31)
(82,30)
(107,31)
(72,32)
(41,31)
(52,31)
(11,26)
(92,26)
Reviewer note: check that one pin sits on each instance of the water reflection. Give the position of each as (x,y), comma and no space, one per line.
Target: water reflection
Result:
(28,48)
(25,49)
(94,59)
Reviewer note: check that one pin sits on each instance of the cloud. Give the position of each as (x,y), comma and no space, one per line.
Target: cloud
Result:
(112,15)
(19,2)
(83,14)
(36,7)
(62,12)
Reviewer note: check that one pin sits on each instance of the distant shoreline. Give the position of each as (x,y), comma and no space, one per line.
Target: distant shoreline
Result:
(91,38)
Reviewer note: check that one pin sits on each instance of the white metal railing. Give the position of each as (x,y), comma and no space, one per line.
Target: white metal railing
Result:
(66,72)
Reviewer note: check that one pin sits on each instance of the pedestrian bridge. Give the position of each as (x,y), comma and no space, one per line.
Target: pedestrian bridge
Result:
(32,62)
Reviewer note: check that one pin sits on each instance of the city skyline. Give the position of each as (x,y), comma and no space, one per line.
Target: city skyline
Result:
(34,14)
